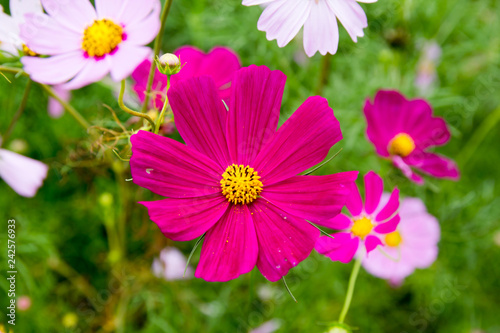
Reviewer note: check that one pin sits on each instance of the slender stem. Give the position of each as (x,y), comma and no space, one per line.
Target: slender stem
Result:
(478,136)
(157,45)
(130,111)
(350,290)
(324,73)
(18,113)
(13,70)
(71,110)
(159,121)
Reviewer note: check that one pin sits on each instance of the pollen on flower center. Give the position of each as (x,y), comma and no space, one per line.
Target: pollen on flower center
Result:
(28,52)
(393,239)
(240,184)
(362,227)
(402,145)
(101,38)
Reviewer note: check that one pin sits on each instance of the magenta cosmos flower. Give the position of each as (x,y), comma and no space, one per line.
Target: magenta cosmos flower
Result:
(366,223)
(85,43)
(25,175)
(283,19)
(403,130)
(412,245)
(236,179)
(220,63)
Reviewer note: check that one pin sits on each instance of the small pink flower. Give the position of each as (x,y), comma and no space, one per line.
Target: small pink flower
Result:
(366,224)
(85,43)
(23,303)
(412,245)
(426,70)
(220,64)
(403,130)
(283,19)
(55,108)
(171,265)
(23,174)
(236,180)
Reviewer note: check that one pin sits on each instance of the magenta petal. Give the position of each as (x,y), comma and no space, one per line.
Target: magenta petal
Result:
(341,248)
(383,119)
(302,142)
(434,165)
(390,208)
(200,117)
(425,129)
(314,198)
(254,111)
(191,59)
(223,75)
(186,219)
(171,169)
(371,242)
(230,248)
(354,203)
(389,226)
(374,187)
(284,240)
(339,222)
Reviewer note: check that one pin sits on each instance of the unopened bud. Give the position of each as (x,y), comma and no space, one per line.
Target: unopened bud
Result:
(339,328)
(168,64)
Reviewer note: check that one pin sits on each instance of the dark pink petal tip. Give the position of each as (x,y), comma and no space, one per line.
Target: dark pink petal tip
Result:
(341,248)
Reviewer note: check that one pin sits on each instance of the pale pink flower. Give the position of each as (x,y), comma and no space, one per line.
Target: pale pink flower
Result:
(23,174)
(283,19)
(10,39)
(85,43)
(269,326)
(24,303)
(412,245)
(171,265)
(426,68)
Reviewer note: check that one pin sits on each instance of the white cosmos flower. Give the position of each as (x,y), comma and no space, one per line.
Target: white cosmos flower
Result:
(283,19)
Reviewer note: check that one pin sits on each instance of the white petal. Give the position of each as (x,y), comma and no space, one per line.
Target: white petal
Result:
(282,19)
(93,71)
(321,32)
(23,174)
(126,59)
(351,15)
(56,69)
(255,2)
(20,7)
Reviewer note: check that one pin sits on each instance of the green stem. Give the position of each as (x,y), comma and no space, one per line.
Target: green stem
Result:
(350,290)
(18,113)
(157,45)
(71,110)
(324,73)
(13,70)
(130,111)
(478,136)
(159,121)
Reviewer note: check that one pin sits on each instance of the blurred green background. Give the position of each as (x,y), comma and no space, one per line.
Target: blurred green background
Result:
(80,278)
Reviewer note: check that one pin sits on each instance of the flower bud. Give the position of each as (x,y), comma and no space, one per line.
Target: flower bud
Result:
(168,64)
(339,328)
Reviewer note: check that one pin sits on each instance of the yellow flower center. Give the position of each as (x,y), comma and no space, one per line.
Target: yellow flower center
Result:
(28,52)
(393,239)
(362,227)
(101,38)
(402,145)
(240,184)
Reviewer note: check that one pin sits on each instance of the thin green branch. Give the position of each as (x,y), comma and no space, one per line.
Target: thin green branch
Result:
(159,121)
(18,113)
(324,73)
(350,290)
(157,45)
(192,252)
(130,111)
(288,289)
(320,165)
(71,110)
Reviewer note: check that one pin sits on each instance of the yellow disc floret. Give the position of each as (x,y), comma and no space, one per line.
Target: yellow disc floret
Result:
(28,52)
(393,239)
(402,145)
(240,184)
(101,38)
(362,227)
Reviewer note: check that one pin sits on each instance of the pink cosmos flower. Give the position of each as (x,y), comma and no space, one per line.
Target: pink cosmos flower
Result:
(412,245)
(23,174)
(236,180)
(220,63)
(85,43)
(171,265)
(366,223)
(283,19)
(426,70)
(403,130)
